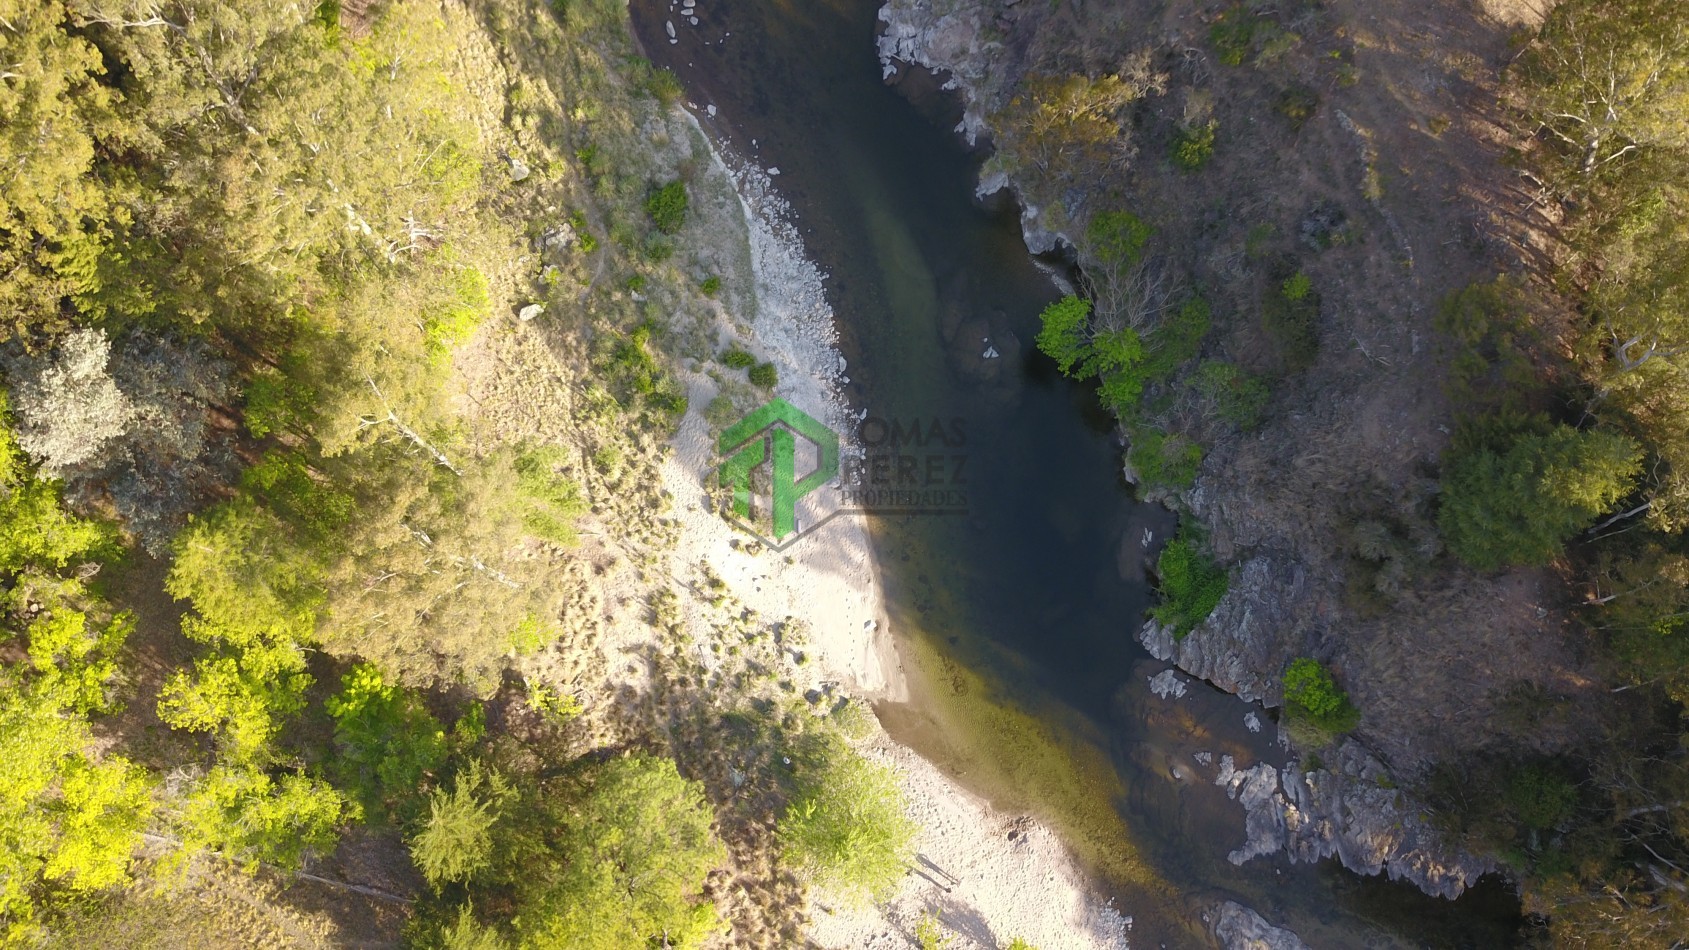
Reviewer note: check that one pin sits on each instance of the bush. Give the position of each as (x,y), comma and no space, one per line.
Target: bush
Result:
(710,286)
(1238,397)
(738,359)
(1311,696)
(1297,104)
(764,375)
(667,207)
(1233,35)
(1162,459)
(456,840)
(1191,585)
(1193,147)
(844,823)
(1290,315)
(1117,236)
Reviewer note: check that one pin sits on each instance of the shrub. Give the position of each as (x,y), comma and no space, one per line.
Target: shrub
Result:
(1297,104)
(1290,315)
(738,359)
(1117,236)
(710,286)
(1317,711)
(1238,397)
(1233,35)
(664,86)
(764,375)
(456,840)
(844,823)
(667,207)
(1163,459)
(1191,585)
(1193,147)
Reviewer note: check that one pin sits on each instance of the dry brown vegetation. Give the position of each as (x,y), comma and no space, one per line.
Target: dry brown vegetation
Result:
(1371,147)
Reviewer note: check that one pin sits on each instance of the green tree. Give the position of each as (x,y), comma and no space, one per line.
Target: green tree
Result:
(1065,333)
(390,745)
(1513,493)
(636,848)
(845,825)
(251,817)
(1610,78)
(456,841)
(67,815)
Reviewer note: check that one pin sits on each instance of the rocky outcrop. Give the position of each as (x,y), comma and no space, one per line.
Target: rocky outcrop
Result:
(1350,811)
(1239,928)
(1238,648)
(949,37)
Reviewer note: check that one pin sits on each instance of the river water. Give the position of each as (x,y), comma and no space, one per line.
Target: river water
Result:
(1015,602)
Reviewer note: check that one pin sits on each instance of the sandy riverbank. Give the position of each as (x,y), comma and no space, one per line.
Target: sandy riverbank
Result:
(992,876)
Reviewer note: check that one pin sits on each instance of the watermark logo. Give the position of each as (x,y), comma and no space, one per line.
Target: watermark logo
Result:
(770,434)
(896,468)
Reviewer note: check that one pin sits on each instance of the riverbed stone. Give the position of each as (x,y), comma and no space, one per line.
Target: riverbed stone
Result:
(1239,928)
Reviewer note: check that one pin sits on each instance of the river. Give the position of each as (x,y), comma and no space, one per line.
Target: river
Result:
(1015,616)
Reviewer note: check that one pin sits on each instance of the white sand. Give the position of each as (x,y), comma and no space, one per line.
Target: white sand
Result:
(1027,887)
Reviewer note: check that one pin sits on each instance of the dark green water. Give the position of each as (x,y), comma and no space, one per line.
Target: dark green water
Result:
(1015,620)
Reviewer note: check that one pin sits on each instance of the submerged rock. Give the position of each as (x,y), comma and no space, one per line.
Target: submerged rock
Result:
(1239,928)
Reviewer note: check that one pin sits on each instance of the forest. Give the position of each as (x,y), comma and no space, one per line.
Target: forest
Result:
(272,593)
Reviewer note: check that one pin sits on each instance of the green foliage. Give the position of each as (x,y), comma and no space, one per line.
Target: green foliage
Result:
(1515,490)
(1297,103)
(552,501)
(1069,126)
(638,846)
(1309,688)
(1065,333)
(1290,314)
(710,286)
(736,358)
(34,527)
(1233,35)
(1163,460)
(1114,358)
(1194,146)
(1608,79)
(1491,368)
(1190,584)
(1117,236)
(667,207)
(456,839)
(844,825)
(930,933)
(1541,798)
(551,703)
(457,313)
(252,817)
(69,819)
(764,376)
(1176,340)
(1237,397)
(390,745)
